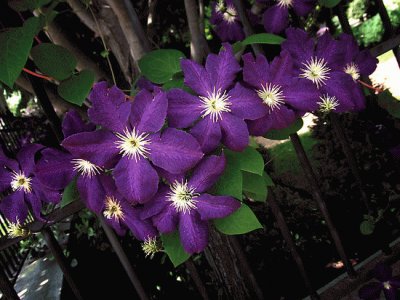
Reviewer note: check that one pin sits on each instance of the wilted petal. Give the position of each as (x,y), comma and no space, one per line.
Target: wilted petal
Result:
(370,291)
(193,232)
(167,220)
(215,207)
(92,192)
(196,77)
(276,19)
(149,111)
(235,134)
(207,133)
(246,104)
(13,207)
(97,147)
(137,180)
(73,123)
(26,158)
(141,229)
(183,108)
(207,173)
(175,151)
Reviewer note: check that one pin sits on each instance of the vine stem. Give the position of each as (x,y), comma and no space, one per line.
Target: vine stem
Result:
(37,75)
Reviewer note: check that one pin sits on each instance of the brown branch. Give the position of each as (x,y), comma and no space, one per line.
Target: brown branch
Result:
(150,20)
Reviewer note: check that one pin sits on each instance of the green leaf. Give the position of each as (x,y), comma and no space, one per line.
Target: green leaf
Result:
(268,179)
(389,103)
(22,5)
(238,46)
(77,87)
(173,248)
(329,3)
(47,58)
(241,221)
(70,194)
(250,160)
(159,66)
(255,186)
(263,38)
(283,134)
(367,227)
(15,46)
(174,83)
(230,182)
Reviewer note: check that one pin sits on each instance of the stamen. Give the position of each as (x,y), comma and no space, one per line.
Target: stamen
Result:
(230,14)
(132,144)
(151,246)
(182,197)
(271,95)
(113,209)
(327,103)
(21,182)
(353,70)
(285,3)
(15,230)
(215,104)
(316,71)
(85,167)
(387,285)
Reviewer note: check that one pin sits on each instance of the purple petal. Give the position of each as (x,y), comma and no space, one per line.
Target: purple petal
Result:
(302,94)
(97,147)
(35,205)
(156,205)
(175,151)
(299,44)
(196,77)
(167,220)
(207,172)
(193,232)
(366,62)
(44,193)
(115,224)
(92,192)
(229,32)
(207,133)
(137,181)
(246,104)
(255,71)
(370,291)
(390,294)
(303,7)
(141,229)
(73,123)
(349,46)
(330,50)
(13,207)
(282,69)
(222,68)
(26,158)
(395,282)
(5,179)
(55,169)
(340,85)
(382,272)
(276,19)
(358,98)
(8,162)
(149,111)
(169,177)
(110,108)
(235,134)
(215,207)
(183,108)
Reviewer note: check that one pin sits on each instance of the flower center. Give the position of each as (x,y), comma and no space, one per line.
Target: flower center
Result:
(353,70)
(133,144)
(271,95)
(151,246)
(182,197)
(16,230)
(21,182)
(285,3)
(316,70)
(85,167)
(386,285)
(327,103)
(215,104)
(220,7)
(230,14)
(113,209)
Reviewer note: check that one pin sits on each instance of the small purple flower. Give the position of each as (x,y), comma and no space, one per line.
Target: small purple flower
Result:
(281,96)
(130,139)
(226,20)
(27,192)
(217,109)
(388,283)
(276,17)
(184,204)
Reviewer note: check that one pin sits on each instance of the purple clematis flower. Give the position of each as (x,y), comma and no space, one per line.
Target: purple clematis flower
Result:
(276,17)
(27,192)
(226,20)
(184,204)
(218,109)
(130,141)
(281,96)
(387,283)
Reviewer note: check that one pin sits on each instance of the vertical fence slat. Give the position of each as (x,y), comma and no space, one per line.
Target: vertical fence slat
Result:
(6,287)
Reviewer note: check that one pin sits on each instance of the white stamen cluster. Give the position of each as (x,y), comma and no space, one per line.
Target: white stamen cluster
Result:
(327,103)
(113,209)
(285,3)
(353,70)
(20,182)
(133,144)
(182,197)
(15,230)
(386,285)
(230,14)
(85,167)
(151,246)
(271,95)
(215,104)
(316,70)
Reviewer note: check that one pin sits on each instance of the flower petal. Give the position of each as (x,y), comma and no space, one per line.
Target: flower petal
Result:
(13,207)
(149,111)
(92,192)
(44,193)
(97,147)
(109,107)
(390,294)
(370,291)
(282,69)
(73,123)
(301,94)
(303,7)
(175,151)
(299,44)
(156,205)
(330,50)
(137,180)
(141,229)
(193,232)
(229,32)
(5,161)
(167,220)
(5,179)
(196,77)
(215,207)
(366,62)
(183,108)
(235,134)
(340,85)
(26,158)
(207,133)
(276,19)
(207,172)
(255,71)
(246,104)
